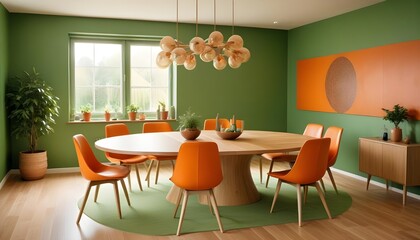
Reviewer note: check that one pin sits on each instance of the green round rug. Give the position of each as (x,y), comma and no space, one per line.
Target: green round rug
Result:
(151,214)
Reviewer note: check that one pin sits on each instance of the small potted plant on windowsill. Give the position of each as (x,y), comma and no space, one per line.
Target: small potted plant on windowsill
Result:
(86,112)
(188,125)
(163,111)
(396,116)
(107,113)
(132,111)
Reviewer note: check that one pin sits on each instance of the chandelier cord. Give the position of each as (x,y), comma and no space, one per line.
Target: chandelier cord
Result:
(214,15)
(177,20)
(233,17)
(196,18)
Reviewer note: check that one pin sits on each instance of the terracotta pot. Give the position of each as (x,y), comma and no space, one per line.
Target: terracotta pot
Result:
(164,115)
(142,116)
(86,116)
(33,166)
(190,133)
(396,134)
(107,116)
(132,116)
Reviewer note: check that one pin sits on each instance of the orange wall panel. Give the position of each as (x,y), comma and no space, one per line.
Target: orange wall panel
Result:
(385,76)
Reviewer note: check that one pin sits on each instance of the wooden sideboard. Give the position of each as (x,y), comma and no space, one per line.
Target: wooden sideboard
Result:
(396,162)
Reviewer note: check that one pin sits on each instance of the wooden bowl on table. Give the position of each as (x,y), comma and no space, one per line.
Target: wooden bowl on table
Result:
(228,135)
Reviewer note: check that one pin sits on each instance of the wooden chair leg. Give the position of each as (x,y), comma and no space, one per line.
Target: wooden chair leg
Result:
(125,192)
(321,195)
(260,169)
(269,171)
(299,203)
(96,192)
(184,206)
(129,178)
(323,185)
(138,177)
(84,202)
(216,210)
(178,200)
(275,195)
(157,171)
(305,193)
(117,198)
(149,169)
(332,180)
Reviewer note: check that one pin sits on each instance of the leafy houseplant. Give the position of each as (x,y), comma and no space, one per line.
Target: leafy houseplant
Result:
(188,125)
(132,111)
(32,108)
(86,111)
(397,115)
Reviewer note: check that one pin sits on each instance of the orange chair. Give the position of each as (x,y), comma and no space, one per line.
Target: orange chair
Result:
(118,129)
(239,123)
(210,124)
(98,173)
(197,168)
(309,168)
(151,127)
(312,129)
(334,133)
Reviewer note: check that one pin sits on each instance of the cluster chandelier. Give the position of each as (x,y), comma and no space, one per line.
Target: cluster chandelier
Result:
(213,49)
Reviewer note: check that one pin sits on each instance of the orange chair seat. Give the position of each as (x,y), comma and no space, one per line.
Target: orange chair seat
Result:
(289,157)
(116,172)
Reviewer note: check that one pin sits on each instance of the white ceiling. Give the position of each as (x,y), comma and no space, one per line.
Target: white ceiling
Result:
(288,14)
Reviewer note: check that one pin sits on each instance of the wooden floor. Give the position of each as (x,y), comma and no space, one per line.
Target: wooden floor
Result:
(46,209)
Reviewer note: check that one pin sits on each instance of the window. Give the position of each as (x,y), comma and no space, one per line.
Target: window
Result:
(113,73)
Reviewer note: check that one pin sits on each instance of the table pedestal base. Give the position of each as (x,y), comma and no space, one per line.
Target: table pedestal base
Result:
(237,187)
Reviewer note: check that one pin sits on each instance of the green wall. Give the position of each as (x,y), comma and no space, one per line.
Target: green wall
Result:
(256,92)
(4,150)
(389,22)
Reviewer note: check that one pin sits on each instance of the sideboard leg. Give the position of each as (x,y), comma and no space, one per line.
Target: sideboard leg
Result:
(368,180)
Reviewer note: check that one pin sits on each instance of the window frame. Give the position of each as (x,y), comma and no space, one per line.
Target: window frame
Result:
(126,43)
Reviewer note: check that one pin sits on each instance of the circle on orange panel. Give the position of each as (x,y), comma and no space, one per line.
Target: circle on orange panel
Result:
(341,84)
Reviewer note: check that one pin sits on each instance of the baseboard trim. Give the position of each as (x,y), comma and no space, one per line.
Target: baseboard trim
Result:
(352,175)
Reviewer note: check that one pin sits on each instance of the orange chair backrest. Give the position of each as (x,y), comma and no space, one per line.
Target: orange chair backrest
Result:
(334,133)
(89,165)
(210,124)
(197,166)
(311,162)
(116,129)
(239,123)
(150,127)
(313,130)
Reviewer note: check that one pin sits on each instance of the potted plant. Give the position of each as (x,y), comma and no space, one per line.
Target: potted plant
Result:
(86,112)
(163,112)
(32,108)
(188,125)
(107,113)
(397,115)
(132,111)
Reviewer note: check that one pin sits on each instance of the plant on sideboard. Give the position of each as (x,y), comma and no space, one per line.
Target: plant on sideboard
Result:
(33,108)
(396,116)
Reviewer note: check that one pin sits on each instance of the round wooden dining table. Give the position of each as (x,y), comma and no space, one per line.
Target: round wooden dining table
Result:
(237,187)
